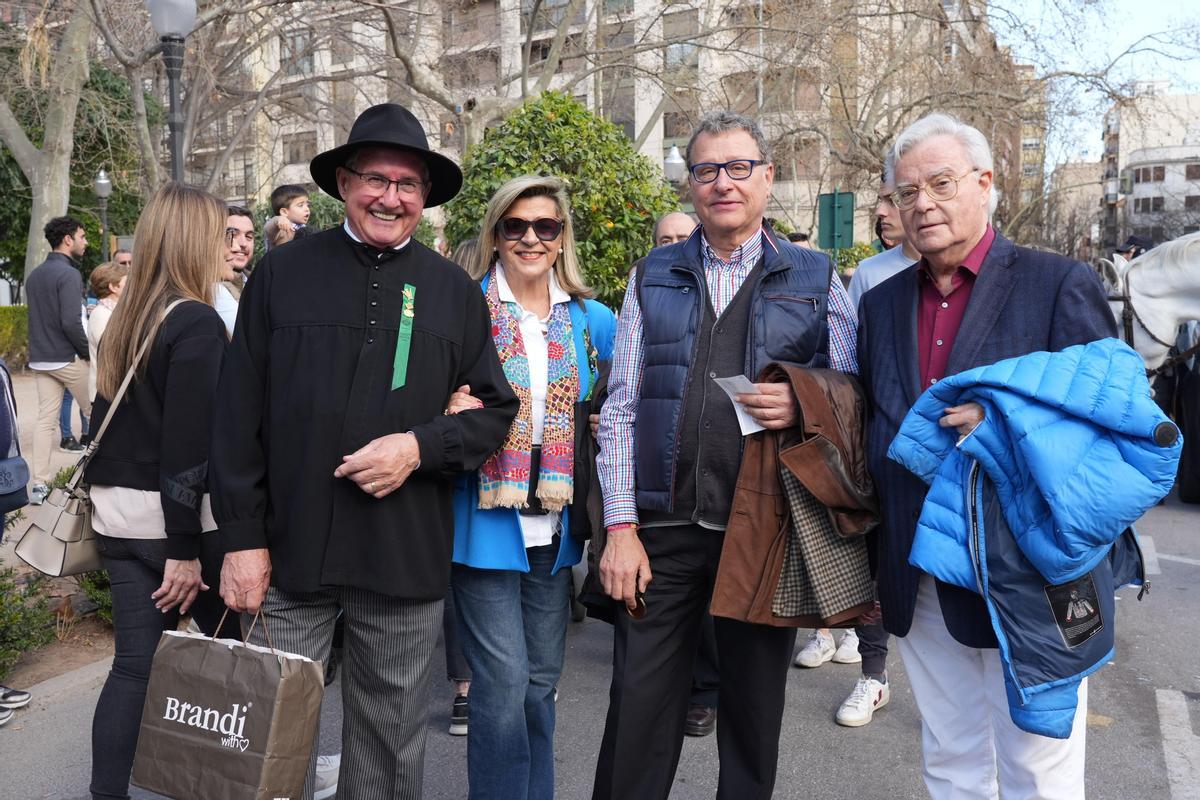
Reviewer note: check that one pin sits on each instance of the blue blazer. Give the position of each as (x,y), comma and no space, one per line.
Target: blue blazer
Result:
(492,539)
(1023,301)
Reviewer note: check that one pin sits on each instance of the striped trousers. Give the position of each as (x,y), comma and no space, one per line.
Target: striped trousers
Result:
(388,649)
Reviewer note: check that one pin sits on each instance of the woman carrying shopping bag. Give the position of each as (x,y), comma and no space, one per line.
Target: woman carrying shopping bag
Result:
(155,531)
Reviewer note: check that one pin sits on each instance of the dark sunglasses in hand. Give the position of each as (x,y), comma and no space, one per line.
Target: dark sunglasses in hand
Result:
(513,229)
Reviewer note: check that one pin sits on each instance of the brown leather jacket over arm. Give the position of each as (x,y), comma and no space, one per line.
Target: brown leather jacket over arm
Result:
(825,452)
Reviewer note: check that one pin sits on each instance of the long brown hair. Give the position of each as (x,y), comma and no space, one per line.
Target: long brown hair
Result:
(181,255)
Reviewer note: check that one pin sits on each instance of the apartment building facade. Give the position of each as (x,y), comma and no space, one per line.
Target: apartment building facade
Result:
(1151,166)
(828,102)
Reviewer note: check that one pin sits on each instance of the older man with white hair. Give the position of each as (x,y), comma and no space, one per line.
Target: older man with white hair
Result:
(973,299)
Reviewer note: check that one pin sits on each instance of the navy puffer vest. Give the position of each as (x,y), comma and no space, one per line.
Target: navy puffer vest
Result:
(787,324)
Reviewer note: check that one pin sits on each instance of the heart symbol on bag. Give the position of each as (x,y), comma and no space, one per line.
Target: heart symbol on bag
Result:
(243,744)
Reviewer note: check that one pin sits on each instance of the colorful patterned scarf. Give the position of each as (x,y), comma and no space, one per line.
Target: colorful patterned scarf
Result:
(504,477)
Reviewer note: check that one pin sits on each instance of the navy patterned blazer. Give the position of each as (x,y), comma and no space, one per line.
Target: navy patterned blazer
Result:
(1023,301)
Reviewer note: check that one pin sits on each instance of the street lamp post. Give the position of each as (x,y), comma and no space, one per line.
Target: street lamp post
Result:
(102,186)
(173,20)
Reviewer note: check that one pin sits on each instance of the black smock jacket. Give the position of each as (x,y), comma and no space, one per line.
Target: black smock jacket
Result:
(308,380)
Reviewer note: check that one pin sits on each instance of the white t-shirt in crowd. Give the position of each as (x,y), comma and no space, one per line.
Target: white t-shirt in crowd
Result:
(875,270)
(226,306)
(537,530)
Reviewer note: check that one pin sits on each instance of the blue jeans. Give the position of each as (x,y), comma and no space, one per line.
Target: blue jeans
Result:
(513,627)
(64,417)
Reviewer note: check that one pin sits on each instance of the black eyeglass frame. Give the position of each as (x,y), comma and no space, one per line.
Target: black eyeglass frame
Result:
(231,236)
(526,224)
(368,177)
(724,165)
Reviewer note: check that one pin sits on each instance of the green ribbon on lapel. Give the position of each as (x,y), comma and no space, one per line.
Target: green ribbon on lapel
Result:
(404,336)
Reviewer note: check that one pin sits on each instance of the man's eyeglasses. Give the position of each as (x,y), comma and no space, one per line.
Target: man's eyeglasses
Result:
(942,187)
(738,170)
(232,235)
(408,187)
(513,229)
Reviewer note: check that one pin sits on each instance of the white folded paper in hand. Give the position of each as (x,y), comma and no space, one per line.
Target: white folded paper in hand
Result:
(733,386)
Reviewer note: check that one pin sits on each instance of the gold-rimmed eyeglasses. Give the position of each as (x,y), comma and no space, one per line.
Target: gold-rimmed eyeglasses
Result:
(940,187)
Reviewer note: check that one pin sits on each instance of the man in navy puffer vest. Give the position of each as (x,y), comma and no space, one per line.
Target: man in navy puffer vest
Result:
(728,301)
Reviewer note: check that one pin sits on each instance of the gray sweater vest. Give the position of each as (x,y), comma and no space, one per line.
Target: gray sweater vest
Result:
(710,441)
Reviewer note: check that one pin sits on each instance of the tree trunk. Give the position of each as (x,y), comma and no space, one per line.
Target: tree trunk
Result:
(146,148)
(50,179)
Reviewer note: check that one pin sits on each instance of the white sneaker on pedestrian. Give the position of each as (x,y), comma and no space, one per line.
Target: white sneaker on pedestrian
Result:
(867,696)
(847,652)
(816,651)
(327,776)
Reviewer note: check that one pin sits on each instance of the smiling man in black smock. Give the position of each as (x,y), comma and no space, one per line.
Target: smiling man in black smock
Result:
(332,460)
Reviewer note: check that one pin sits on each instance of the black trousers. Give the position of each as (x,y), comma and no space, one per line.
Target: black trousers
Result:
(653,661)
(706,676)
(135,569)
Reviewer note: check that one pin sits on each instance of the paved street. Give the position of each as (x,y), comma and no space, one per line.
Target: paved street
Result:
(1143,724)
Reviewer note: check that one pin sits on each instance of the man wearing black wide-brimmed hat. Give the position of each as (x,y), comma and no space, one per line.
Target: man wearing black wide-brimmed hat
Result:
(332,459)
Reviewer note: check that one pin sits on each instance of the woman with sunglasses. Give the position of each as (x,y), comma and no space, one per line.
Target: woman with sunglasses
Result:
(513,547)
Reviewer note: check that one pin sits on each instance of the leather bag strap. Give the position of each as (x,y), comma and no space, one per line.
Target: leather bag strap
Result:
(81,467)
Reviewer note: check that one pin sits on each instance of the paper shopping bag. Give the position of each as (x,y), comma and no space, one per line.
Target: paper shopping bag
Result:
(226,719)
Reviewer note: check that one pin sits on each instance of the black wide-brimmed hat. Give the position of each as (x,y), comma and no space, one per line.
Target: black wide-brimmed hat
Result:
(389,125)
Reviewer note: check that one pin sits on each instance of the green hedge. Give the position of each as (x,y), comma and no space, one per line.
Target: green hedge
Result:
(616,192)
(14,335)
(848,257)
(26,621)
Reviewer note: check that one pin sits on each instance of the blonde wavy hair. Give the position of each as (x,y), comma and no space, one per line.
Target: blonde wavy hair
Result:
(179,241)
(566,265)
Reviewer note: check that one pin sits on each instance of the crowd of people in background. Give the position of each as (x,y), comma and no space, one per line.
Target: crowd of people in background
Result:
(371,445)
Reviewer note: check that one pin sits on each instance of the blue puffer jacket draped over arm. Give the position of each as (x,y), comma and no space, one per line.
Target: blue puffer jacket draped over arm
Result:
(1074,450)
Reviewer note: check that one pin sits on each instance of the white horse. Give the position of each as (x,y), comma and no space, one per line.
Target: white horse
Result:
(1155,293)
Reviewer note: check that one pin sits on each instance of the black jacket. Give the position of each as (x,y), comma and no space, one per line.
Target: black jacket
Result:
(308,380)
(158,438)
(54,291)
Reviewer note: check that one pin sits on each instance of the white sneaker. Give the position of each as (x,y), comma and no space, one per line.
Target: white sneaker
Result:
(867,696)
(327,776)
(816,651)
(847,652)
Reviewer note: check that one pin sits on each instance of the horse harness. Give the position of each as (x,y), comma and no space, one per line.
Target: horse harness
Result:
(1129,314)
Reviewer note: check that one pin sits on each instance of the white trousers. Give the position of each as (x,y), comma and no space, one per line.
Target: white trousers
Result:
(971,748)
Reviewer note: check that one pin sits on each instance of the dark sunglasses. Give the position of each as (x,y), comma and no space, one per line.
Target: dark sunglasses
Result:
(513,229)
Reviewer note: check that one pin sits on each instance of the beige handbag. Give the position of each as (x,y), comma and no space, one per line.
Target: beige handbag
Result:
(60,540)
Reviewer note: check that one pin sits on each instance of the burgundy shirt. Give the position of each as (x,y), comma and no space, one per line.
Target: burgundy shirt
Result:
(938,317)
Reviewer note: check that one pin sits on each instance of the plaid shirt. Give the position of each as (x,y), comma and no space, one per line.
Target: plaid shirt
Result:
(617,417)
